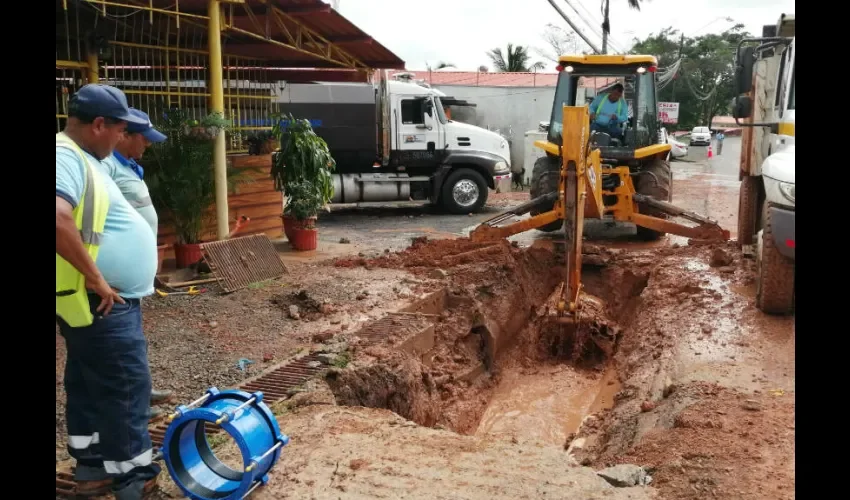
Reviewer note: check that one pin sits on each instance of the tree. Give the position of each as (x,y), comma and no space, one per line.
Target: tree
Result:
(515,61)
(560,41)
(440,65)
(706,73)
(606,24)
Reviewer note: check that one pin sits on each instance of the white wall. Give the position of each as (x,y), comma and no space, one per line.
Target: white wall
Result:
(511,110)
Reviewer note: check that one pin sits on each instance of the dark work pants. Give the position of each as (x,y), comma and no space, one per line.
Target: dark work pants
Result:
(108,386)
(611,129)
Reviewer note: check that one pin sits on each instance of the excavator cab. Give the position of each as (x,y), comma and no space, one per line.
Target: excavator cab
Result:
(583,77)
(640,147)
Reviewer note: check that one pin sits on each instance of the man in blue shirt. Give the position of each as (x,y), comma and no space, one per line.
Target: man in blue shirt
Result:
(107,377)
(128,175)
(609,111)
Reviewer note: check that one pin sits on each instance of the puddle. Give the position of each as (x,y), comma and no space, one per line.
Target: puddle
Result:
(547,405)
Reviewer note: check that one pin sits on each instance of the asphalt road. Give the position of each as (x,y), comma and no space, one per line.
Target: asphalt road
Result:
(708,186)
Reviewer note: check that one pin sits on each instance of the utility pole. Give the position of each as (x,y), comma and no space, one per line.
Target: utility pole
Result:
(606,27)
(681,44)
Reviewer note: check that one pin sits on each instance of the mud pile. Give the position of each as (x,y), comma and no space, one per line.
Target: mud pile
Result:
(427,254)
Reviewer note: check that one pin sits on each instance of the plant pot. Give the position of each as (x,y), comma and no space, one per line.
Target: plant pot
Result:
(160,251)
(304,239)
(269,146)
(187,254)
(290,223)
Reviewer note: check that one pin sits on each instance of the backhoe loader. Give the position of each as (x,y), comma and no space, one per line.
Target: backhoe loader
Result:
(590,185)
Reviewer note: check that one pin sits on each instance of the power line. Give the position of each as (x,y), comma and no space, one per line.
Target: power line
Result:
(611,40)
(591,26)
(574,27)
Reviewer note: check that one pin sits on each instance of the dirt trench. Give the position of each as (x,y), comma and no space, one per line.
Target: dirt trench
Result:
(487,359)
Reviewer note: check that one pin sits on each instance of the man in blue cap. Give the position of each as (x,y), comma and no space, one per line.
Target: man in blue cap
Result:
(608,112)
(129,176)
(107,377)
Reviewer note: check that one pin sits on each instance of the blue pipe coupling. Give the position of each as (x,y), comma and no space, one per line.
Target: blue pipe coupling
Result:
(193,465)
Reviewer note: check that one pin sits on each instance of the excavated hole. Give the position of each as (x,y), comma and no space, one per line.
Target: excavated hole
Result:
(494,363)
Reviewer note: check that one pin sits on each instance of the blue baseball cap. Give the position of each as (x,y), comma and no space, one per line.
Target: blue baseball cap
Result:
(97,99)
(147,130)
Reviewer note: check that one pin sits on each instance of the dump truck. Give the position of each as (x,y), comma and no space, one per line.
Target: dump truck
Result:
(392,141)
(765,74)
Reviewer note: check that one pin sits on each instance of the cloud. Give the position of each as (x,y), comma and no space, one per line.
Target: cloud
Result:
(462,31)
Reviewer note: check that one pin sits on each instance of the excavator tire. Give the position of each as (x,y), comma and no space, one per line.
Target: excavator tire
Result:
(662,190)
(545,176)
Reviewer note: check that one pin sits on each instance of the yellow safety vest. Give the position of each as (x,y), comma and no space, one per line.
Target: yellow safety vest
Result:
(72,301)
(602,103)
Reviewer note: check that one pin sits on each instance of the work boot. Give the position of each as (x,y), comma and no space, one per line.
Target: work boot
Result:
(160,396)
(136,491)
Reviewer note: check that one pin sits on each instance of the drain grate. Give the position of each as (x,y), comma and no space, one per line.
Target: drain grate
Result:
(238,262)
(393,326)
(274,386)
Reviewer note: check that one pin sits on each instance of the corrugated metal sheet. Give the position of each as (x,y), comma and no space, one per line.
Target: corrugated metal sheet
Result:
(313,14)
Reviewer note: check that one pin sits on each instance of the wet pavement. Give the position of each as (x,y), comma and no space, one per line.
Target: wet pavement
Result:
(706,186)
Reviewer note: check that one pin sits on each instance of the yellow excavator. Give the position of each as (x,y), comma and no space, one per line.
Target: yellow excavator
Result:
(592,184)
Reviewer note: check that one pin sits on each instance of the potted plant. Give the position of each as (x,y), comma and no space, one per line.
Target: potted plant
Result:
(262,143)
(181,178)
(302,172)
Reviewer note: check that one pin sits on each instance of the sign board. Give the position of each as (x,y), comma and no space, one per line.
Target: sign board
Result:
(668,112)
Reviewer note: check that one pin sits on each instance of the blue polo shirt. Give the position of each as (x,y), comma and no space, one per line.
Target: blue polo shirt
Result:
(127,257)
(127,174)
(603,114)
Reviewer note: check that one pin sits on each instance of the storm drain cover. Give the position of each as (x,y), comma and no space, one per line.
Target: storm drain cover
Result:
(238,262)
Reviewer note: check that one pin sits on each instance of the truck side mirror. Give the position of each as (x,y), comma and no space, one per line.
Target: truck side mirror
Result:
(428,107)
(744,70)
(742,107)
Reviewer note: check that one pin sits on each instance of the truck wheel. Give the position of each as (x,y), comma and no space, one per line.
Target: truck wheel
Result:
(775,280)
(662,190)
(464,191)
(748,198)
(545,176)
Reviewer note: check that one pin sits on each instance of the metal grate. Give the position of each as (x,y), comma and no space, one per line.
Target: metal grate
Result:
(238,262)
(393,326)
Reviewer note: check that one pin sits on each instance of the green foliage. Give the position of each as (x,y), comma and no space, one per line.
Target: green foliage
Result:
(707,70)
(302,169)
(516,60)
(181,176)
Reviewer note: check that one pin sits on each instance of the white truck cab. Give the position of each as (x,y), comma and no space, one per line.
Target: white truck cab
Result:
(392,141)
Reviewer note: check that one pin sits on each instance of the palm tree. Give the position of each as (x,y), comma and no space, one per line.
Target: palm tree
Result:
(606,25)
(516,60)
(440,65)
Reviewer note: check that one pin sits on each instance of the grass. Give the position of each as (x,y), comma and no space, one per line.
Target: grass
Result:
(342,360)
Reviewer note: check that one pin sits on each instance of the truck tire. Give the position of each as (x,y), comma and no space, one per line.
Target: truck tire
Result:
(545,176)
(775,277)
(748,210)
(661,190)
(464,191)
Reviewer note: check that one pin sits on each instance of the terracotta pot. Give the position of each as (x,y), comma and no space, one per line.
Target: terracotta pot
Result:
(187,254)
(304,239)
(269,146)
(160,251)
(290,223)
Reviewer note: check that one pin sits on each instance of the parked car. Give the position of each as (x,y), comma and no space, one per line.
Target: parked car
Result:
(679,149)
(700,136)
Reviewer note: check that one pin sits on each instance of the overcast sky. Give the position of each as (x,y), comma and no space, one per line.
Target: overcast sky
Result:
(462,31)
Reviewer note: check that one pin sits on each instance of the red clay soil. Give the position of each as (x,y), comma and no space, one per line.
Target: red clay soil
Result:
(423,252)
(726,445)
